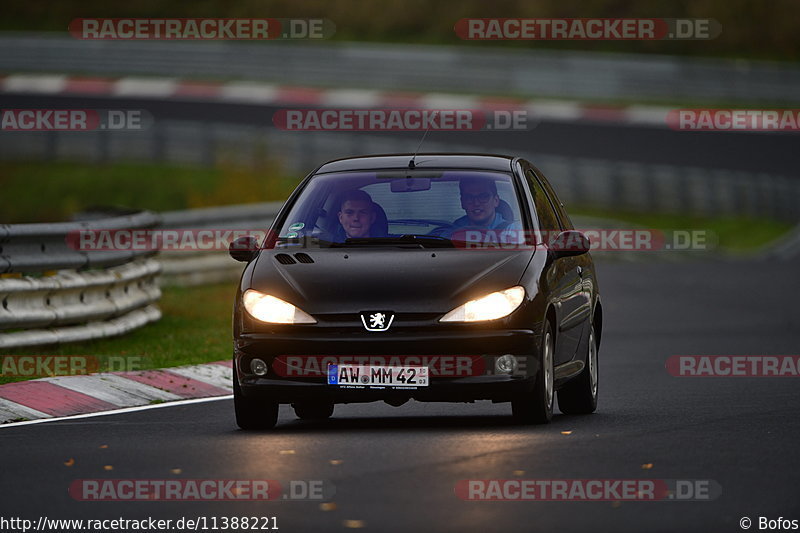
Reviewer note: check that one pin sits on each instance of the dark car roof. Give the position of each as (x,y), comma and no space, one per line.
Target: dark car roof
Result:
(400,161)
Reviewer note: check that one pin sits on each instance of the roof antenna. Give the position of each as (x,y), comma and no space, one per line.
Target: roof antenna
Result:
(411,162)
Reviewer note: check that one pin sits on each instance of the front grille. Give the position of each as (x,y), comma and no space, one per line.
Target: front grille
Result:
(398,318)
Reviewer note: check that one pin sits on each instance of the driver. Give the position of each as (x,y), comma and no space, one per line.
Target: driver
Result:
(356,214)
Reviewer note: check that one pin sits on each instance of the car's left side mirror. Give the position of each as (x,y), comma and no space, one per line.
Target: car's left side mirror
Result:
(244,248)
(569,243)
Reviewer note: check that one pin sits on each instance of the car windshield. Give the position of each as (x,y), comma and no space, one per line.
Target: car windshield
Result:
(416,207)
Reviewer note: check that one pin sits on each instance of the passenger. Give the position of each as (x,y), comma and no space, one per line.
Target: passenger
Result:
(480,201)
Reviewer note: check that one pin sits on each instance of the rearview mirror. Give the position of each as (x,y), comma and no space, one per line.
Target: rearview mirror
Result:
(244,248)
(570,243)
(411,184)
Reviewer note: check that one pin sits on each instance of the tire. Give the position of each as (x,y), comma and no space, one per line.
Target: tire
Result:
(579,396)
(251,413)
(536,406)
(313,411)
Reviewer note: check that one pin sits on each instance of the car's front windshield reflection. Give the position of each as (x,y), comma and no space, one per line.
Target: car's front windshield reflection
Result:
(410,207)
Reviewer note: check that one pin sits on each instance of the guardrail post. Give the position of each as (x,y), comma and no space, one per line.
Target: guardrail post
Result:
(103,146)
(51,145)
(209,155)
(158,142)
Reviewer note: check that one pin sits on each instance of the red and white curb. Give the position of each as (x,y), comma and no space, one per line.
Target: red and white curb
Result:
(246,92)
(61,396)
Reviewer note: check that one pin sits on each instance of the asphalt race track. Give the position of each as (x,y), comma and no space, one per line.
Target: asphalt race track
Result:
(399,466)
(753,152)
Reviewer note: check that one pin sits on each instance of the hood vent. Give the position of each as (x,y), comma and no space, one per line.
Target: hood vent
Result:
(284,259)
(303,258)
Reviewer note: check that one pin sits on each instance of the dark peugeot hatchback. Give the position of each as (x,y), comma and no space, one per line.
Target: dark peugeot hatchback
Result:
(435,277)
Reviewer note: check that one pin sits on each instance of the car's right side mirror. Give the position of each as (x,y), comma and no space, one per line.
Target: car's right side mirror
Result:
(569,243)
(244,248)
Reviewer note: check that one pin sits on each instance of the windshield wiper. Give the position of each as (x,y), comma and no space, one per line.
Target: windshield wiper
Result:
(306,241)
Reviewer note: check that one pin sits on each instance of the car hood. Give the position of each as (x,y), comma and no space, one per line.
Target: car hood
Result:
(400,280)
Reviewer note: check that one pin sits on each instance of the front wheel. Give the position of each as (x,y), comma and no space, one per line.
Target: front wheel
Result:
(251,413)
(536,406)
(579,396)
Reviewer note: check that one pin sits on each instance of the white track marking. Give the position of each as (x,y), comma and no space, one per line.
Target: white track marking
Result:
(118,411)
(555,110)
(260,93)
(217,375)
(18,410)
(113,389)
(350,98)
(23,83)
(149,88)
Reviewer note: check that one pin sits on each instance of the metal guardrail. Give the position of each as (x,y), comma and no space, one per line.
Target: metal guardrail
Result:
(787,247)
(77,306)
(483,70)
(78,295)
(43,247)
(198,268)
(51,292)
(587,181)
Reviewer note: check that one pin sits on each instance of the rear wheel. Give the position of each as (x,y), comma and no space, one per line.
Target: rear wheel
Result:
(536,406)
(252,413)
(313,411)
(579,396)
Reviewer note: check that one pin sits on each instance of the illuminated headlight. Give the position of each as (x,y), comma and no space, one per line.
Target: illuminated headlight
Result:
(490,307)
(267,308)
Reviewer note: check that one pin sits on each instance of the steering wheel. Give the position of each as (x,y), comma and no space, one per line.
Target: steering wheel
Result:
(441,231)
(476,234)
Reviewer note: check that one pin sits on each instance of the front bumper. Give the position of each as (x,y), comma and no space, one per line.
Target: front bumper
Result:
(284,384)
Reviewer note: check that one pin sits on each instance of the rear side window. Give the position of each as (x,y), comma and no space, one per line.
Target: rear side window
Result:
(548,221)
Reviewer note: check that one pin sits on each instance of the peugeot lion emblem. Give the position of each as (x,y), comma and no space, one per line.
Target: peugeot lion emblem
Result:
(377,321)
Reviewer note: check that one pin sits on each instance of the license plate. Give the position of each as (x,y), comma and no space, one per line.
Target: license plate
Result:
(362,376)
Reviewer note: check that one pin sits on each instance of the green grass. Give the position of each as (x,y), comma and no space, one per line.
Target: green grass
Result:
(195,328)
(53,191)
(731,234)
